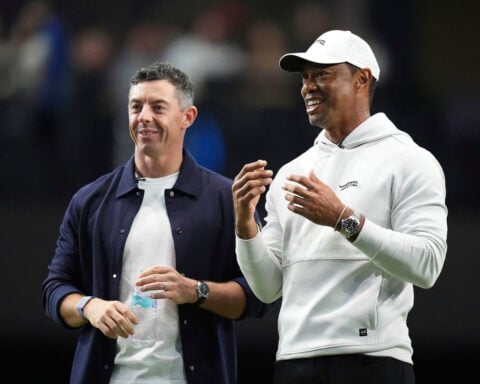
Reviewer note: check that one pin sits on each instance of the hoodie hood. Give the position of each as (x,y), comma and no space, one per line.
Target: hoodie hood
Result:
(376,127)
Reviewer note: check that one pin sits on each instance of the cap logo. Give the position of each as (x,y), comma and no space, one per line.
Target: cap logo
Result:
(320,41)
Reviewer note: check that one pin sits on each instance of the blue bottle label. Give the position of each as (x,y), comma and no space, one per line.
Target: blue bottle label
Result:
(143,301)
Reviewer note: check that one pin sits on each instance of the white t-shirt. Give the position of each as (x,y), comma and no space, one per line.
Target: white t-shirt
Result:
(150,243)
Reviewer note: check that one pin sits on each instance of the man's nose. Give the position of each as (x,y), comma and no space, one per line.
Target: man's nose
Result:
(308,85)
(145,114)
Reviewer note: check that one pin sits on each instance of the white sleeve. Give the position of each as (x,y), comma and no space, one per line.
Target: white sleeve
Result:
(260,267)
(415,247)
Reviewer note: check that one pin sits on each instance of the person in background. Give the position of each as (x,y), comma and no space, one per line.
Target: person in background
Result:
(159,224)
(82,141)
(352,225)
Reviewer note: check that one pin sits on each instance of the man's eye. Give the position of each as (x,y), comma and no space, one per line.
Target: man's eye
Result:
(313,76)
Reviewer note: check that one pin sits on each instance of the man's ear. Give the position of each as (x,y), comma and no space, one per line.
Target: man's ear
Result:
(364,76)
(189,116)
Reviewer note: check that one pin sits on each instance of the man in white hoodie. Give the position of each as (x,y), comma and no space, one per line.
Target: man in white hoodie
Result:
(352,225)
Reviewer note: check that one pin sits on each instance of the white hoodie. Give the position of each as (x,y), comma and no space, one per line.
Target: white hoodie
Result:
(340,297)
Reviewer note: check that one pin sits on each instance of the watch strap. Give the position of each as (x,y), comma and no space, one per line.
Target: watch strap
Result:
(81,305)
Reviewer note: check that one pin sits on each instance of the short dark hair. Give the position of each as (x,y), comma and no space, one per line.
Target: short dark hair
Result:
(165,71)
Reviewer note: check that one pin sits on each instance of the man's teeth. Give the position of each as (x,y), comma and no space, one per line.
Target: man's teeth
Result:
(312,103)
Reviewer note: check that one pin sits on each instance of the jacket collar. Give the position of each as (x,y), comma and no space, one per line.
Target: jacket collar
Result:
(188,181)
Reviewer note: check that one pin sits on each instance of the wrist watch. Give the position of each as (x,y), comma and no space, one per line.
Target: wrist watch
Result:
(350,226)
(202,291)
(81,304)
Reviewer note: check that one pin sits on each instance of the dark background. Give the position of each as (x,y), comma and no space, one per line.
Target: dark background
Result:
(429,87)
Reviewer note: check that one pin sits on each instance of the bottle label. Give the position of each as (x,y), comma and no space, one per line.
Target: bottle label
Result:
(143,300)
(144,308)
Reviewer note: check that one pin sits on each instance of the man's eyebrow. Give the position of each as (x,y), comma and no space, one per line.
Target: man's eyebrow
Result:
(157,101)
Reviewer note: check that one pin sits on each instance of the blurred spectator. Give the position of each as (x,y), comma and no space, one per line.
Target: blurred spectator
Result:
(35,64)
(309,19)
(7,66)
(85,135)
(265,42)
(207,51)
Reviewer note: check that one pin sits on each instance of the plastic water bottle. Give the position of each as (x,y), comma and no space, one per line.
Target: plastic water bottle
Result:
(145,309)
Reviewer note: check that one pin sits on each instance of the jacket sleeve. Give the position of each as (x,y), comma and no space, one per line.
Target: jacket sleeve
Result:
(61,279)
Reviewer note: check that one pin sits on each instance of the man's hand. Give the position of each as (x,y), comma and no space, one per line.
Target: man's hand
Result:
(250,183)
(165,282)
(226,299)
(113,318)
(313,199)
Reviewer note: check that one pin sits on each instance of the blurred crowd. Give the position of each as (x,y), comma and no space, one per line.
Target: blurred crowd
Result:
(64,86)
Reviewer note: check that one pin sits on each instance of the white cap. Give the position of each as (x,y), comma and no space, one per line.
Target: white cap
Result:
(334,47)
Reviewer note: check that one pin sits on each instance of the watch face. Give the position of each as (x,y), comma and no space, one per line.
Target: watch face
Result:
(203,290)
(350,225)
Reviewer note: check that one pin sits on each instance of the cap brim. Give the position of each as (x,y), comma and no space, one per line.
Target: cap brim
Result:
(294,62)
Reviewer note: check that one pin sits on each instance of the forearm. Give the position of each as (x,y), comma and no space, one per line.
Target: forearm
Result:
(246,229)
(225,299)
(69,312)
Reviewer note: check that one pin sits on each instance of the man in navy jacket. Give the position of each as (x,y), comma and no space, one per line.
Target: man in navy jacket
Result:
(165,225)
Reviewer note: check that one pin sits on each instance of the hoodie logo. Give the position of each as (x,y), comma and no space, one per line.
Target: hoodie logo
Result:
(353,183)
(321,41)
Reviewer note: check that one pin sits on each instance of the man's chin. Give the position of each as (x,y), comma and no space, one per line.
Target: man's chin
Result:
(314,121)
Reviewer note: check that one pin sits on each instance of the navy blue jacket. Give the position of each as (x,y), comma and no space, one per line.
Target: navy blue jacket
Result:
(88,259)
